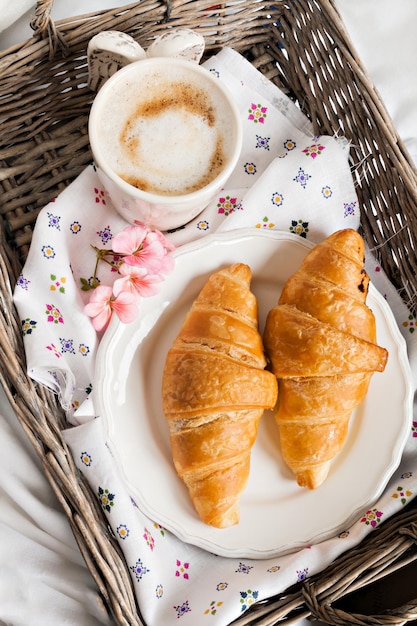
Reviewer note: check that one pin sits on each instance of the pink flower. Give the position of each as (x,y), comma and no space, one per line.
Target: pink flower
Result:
(163,262)
(141,256)
(130,239)
(168,245)
(137,281)
(150,256)
(143,248)
(103,302)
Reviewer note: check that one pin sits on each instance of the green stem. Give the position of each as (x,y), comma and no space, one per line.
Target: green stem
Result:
(101,255)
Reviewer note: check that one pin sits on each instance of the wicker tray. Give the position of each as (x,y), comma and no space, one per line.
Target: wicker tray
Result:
(302,46)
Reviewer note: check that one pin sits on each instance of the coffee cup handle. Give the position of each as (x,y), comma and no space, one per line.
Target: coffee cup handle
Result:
(111,50)
(107,52)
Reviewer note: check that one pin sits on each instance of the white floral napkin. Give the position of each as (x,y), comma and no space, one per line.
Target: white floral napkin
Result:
(287,179)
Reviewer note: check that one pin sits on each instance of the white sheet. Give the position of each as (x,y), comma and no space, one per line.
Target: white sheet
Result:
(384,36)
(43,579)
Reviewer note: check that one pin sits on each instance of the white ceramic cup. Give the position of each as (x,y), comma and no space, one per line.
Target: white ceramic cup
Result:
(165,135)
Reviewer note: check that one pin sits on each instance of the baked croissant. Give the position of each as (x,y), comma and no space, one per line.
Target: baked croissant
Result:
(214,391)
(321,342)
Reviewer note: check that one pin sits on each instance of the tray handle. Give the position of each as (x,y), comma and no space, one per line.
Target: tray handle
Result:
(44,27)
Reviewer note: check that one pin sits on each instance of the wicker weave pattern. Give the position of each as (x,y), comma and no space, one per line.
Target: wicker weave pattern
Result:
(301,45)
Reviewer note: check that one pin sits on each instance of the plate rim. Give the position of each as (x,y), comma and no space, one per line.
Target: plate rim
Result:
(116,327)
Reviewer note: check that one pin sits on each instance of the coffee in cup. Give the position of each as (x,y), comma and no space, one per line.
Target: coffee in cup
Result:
(165,135)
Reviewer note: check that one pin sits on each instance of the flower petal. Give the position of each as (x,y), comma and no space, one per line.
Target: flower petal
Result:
(166,243)
(150,256)
(137,280)
(129,240)
(101,321)
(126,306)
(99,306)
(99,299)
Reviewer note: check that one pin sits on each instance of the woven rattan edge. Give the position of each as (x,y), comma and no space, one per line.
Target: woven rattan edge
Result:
(387,549)
(41,418)
(298,65)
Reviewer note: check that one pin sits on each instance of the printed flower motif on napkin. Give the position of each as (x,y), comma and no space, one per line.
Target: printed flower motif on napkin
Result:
(257,113)
(312,200)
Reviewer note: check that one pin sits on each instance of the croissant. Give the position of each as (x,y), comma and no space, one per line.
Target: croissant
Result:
(214,391)
(321,343)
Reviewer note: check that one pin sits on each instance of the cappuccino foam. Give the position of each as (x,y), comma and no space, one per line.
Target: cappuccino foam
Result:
(166,135)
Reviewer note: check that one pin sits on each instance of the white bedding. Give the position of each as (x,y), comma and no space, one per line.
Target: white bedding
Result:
(43,579)
(384,36)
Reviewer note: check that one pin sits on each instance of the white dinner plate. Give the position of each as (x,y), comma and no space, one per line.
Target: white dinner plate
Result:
(277,516)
